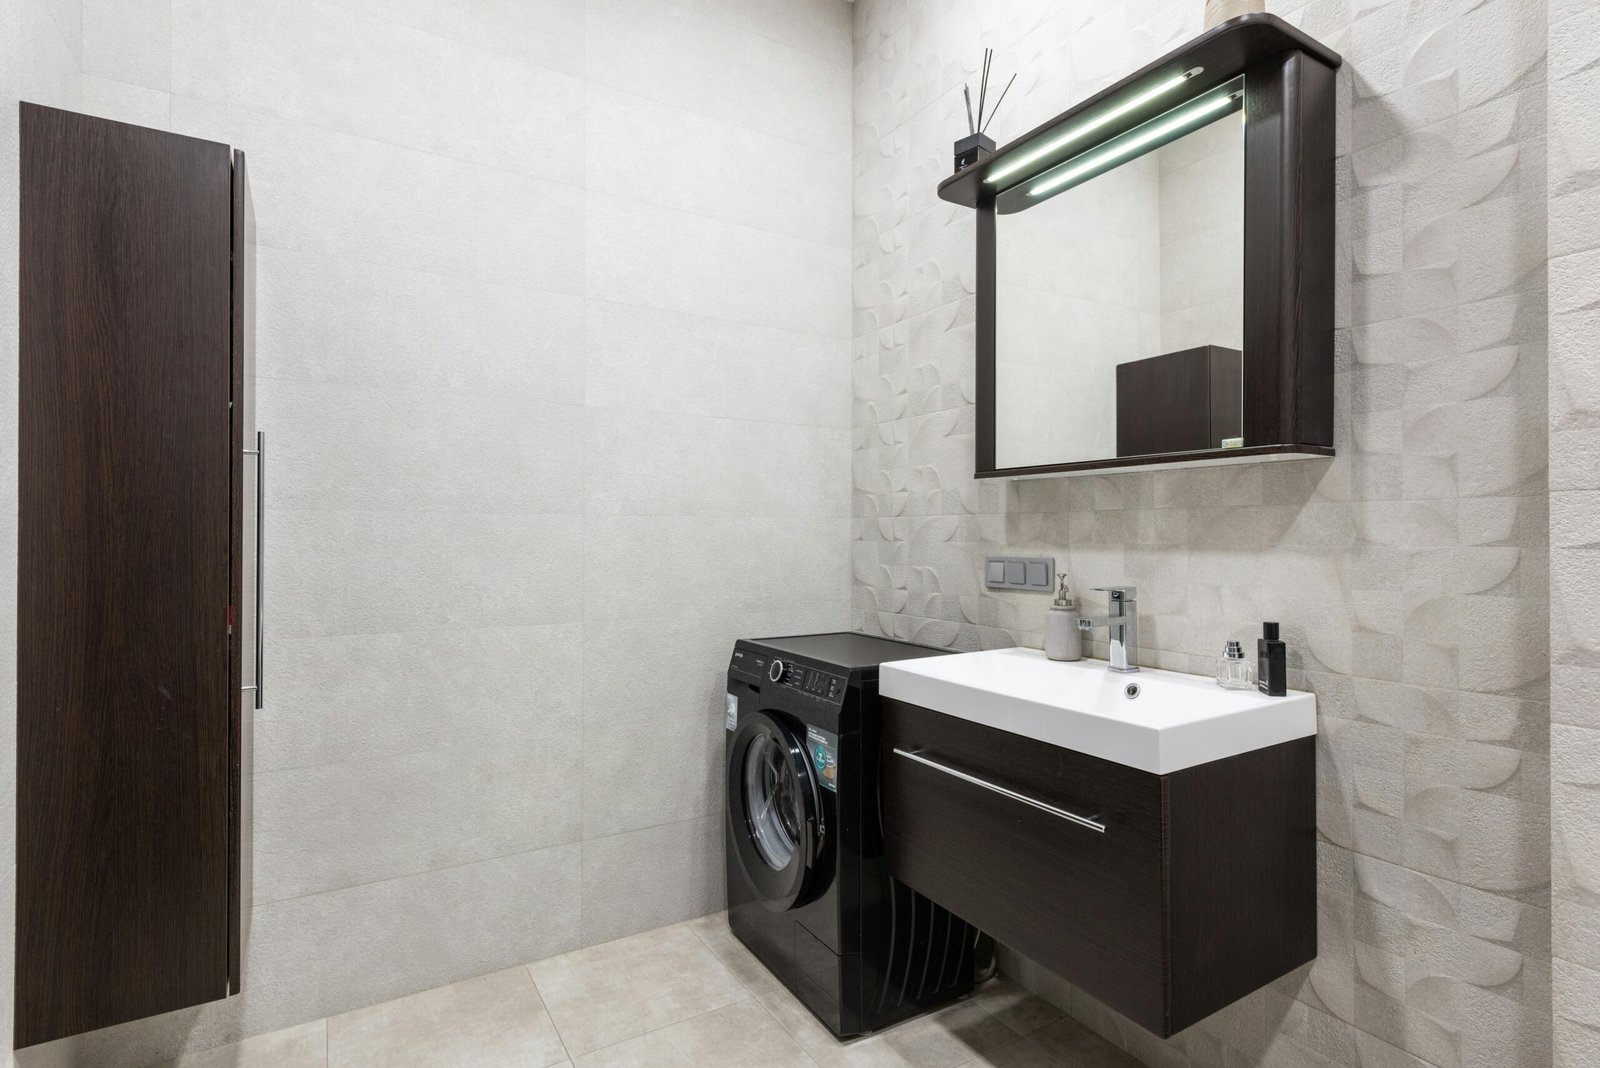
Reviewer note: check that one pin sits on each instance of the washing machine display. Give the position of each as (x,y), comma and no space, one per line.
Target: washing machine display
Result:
(824,750)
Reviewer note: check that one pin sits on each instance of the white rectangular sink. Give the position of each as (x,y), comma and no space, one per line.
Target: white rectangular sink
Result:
(1175,722)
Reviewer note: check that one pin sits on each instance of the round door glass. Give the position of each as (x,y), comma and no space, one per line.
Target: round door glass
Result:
(772,800)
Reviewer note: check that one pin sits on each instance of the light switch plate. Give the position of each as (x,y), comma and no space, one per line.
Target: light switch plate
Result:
(1020,573)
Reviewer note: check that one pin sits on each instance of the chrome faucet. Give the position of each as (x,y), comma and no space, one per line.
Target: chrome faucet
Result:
(1122,626)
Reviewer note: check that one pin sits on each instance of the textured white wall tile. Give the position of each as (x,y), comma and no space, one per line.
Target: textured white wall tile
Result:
(1410,573)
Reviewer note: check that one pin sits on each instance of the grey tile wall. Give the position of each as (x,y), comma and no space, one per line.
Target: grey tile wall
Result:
(1411,573)
(1574,235)
(553,336)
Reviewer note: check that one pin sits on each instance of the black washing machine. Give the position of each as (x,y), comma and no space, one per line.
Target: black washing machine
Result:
(809,890)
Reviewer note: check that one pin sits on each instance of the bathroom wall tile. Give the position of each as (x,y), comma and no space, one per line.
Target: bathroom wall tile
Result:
(334,193)
(419,173)
(326,318)
(817,27)
(317,62)
(379,696)
(128,41)
(645,463)
(343,572)
(646,359)
(678,56)
(671,156)
(637,253)
(718,564)
(548,33)
(123,102)
(336,825)
(1410,571)
(458,922)
(389,448)
(685,862)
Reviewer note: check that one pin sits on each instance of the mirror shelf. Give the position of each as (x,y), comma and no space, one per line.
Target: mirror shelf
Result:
(1211,60)
(1155,266)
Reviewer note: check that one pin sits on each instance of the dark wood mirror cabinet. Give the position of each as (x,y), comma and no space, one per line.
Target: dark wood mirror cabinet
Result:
(138,578)
(1282,83)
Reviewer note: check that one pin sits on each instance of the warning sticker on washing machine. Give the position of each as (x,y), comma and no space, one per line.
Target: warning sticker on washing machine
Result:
(824,750)
(730,713)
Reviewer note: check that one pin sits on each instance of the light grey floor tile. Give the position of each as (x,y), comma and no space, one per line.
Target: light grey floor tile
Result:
(609,993)
(713,931)
(1013,1005)
(737,1036)
(819,1043)
(949,1037)
(491,1021)
(1069,1042)
(305,1046)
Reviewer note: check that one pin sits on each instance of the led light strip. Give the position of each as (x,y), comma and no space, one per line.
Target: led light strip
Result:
(1132,144)
(1078,132)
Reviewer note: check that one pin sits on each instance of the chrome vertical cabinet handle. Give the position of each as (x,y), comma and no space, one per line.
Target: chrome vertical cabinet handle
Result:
(260,453)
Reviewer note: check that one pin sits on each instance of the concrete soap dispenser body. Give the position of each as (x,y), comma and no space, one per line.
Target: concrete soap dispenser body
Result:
(1062,638)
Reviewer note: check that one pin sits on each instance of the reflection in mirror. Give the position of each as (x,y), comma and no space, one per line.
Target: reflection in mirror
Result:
(1119,296)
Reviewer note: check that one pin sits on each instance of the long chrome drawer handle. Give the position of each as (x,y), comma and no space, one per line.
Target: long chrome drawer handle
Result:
(1071,817)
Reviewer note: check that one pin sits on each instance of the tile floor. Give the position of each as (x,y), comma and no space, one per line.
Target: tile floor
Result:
(681,996)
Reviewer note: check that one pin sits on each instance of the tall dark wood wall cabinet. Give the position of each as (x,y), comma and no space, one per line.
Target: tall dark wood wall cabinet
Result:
(133,554)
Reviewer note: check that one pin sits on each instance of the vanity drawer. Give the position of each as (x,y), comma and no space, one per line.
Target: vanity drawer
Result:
(1049,847)
(1165,896)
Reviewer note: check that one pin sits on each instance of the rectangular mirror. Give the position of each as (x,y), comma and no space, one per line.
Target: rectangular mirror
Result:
(1119,295)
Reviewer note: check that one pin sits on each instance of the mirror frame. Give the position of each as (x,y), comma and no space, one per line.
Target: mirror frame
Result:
(1289,194)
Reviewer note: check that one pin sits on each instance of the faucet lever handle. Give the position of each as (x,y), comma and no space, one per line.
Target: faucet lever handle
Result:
(1119,593)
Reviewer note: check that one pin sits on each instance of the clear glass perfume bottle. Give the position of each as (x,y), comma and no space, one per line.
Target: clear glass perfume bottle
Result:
(1233,670)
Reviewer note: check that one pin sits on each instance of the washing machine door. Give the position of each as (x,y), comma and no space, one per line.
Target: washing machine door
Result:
(775,812)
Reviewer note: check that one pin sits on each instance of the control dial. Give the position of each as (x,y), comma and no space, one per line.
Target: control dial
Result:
(777,670)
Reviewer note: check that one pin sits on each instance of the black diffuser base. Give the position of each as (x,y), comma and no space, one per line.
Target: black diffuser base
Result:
(971,149)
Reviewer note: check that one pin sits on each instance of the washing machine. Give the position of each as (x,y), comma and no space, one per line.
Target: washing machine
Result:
(809,891)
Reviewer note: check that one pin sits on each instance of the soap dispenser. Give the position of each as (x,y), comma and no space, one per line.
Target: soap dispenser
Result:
(1062,638)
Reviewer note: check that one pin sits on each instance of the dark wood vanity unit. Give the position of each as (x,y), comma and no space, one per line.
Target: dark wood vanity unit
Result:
(133,559)
(1288,196)
(1167,897)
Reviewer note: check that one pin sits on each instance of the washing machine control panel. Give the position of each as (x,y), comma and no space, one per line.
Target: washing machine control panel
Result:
(809,680)
(823,685)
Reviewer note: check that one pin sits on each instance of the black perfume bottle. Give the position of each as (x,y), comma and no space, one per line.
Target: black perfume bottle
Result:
(1272,669)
